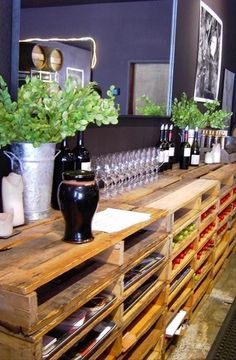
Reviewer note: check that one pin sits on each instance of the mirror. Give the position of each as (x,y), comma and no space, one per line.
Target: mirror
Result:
(134,43)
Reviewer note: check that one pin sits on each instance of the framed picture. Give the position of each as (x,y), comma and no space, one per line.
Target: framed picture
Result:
(76,74)
(228,94)
(209,55)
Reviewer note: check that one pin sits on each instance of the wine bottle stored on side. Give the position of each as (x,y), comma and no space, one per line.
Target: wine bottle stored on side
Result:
(171,147)
(185,152)
(195,152)
(82,157)
(160,147)
(64,161)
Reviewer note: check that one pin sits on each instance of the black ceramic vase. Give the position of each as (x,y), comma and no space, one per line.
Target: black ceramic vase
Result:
(78,198)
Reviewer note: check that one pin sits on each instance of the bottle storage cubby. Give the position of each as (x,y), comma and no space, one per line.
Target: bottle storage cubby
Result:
(115,297)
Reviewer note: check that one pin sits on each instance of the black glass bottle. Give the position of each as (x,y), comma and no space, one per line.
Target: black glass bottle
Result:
(195,152)
(161,148)
(166,148)
(64,161)
(82,157)
(171,147)
(185,152)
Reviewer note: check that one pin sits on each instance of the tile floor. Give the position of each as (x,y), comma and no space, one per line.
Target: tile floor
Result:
(200,334)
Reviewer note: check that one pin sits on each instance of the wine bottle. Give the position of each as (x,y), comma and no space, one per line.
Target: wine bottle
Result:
(185,151)
(160,147)
(171,148)
(64,161)
(195,152)
(166,149)
(82,158)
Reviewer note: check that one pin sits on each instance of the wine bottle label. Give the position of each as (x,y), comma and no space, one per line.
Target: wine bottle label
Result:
(187,152)
(195,159)
(166,156)
(161,156)
(171,151)
(86,165)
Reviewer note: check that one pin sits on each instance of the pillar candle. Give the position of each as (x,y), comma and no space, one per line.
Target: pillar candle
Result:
(6,226)
(12,197)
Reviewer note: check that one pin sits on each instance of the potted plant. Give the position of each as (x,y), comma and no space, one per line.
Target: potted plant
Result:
(214,116)
(185,112)
(43,115)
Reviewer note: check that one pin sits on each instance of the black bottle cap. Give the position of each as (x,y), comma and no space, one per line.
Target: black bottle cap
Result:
(78,175)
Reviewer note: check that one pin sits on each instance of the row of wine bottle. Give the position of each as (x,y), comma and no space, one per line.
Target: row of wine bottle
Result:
(68,160)
(188,155)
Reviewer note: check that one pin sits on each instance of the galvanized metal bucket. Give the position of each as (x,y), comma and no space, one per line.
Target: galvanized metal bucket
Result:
(36,166)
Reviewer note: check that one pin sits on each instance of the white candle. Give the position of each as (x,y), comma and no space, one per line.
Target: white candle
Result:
(12,197)
(6,225)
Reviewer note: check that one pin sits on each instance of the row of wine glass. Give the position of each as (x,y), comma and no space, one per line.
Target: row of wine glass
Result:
(124,171)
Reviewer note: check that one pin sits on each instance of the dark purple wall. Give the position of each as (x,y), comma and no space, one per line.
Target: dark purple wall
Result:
(9,37)
(187,42)
(124,32)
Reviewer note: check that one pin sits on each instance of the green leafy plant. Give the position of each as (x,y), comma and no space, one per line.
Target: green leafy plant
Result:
(46,113)
(185,112)
(145,106)
(214,116)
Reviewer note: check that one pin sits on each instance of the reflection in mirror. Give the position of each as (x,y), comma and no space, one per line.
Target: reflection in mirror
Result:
(57,59)
(127,34)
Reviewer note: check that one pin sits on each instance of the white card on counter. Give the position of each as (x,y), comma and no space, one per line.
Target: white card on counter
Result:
(113,220)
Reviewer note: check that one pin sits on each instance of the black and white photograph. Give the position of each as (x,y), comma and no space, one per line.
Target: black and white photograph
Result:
(76,74)
(209,55)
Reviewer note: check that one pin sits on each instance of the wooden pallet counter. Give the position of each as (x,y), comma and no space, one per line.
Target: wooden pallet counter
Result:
(44,280)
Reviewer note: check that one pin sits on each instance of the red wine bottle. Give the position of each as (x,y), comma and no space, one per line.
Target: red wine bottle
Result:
(195,152)
(82,157)
(185,152)
(64,161)
(171,147)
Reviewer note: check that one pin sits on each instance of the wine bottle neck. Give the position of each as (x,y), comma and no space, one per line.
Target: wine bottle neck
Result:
(64,144)
(80,138)
(186,136)
(165,135)
(161,135)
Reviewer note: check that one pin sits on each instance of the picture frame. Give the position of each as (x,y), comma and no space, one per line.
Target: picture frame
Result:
(209,55)
(75,74)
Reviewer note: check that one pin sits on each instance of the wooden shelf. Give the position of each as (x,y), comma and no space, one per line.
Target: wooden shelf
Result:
(181,285)
(187,259)
(141,325)
(144,301)
(183,244)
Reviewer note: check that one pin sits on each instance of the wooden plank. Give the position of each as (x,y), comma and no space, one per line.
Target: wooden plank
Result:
(142,348)
(13,348)
(142,324)
(181,197)
(18,310)
(65,302)
(142,244)
(140,192)
(35,230)
(113,255)
(151,295)
(30,265)
(225,174)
